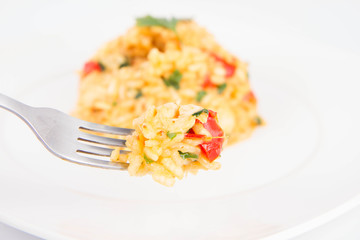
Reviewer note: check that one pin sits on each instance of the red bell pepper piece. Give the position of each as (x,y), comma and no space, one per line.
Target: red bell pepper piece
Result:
(212,149)
(194,136)
(191,130)
(207,82)
(91,66)
(229,68)
(212,126)
(249,97)
(212,114)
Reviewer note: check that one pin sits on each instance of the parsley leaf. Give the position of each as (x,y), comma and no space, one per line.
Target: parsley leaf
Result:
(221,87)
(200,112)
(258,120)
(138,94)
(173,80)
(125,63)
(149,21)
(186,155)
(102,66)
(114,103)
(171,135)
(148,160)
(200,95)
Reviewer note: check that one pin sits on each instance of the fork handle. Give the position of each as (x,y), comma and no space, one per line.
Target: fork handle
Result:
(20,109)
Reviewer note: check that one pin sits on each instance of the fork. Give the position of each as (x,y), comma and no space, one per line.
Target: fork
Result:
(70,138)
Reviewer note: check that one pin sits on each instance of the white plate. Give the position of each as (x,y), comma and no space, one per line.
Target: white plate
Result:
(297,172)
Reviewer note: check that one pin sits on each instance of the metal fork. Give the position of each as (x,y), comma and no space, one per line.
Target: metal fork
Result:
(70,138)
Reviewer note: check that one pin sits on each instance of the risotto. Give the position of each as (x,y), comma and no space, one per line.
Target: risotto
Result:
(170,141)
(161,61)
(153,64)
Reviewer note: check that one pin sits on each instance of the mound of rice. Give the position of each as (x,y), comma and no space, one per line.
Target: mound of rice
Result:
(155,63)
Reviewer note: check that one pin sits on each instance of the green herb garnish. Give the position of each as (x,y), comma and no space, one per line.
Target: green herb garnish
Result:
(172,135)
(200,95)
(198,113)
(258,120)
(149,21)
(148,160)
(114,103)
(125,63)
(186,155)
(138,94)
(102,66)
(173,80)
(221,88)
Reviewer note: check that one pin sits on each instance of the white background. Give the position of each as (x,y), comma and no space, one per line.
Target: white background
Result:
(334,23)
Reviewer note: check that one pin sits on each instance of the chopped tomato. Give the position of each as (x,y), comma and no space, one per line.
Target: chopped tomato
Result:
(207,82)
(91,66)
(229,68)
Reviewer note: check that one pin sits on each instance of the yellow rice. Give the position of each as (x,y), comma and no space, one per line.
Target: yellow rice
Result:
(155,152)
(112,96)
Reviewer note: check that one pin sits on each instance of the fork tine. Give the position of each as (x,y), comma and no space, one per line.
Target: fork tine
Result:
(94,150)
(82,160)
(104,128)
(87,137)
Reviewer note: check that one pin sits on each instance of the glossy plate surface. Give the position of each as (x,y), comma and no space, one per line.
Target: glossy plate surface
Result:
(296,173)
